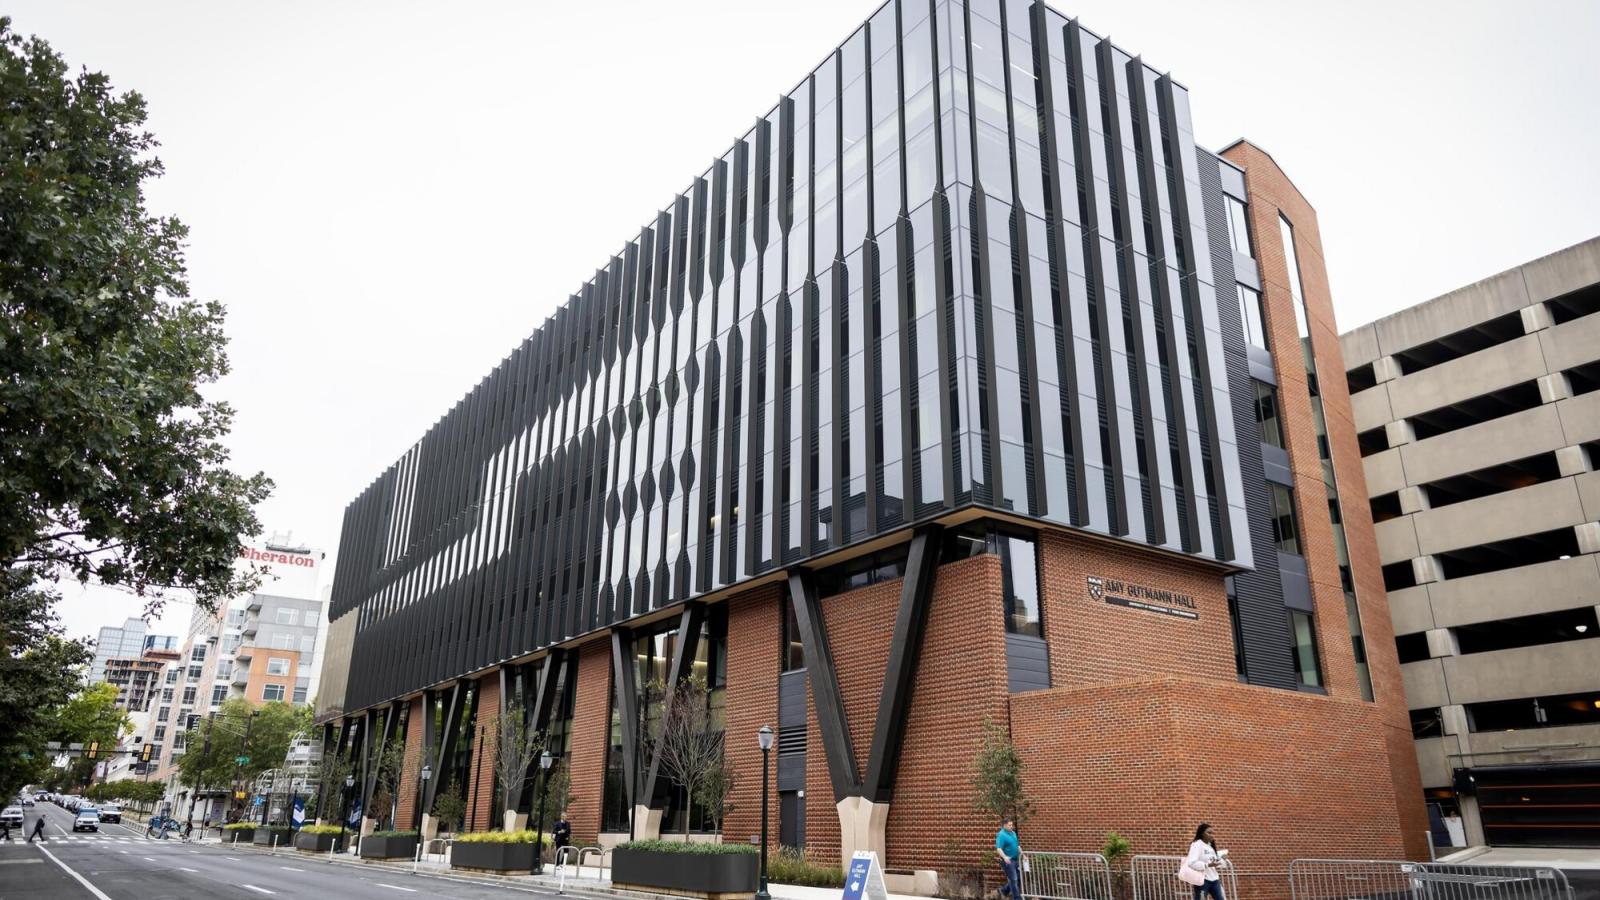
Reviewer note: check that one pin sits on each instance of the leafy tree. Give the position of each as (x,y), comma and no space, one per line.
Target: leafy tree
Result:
(112,468)
(331,773)
(386,787)
(518,744)
(557,791)
(1116,851)
(272,727)
(90,717)
(998,771)
(39,672)
(716,789)
(450,807)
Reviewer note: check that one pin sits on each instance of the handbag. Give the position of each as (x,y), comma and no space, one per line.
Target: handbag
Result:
(1191,876)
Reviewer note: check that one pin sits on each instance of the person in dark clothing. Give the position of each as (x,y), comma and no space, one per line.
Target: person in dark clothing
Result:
(562,833)
(5,832)
(38,830)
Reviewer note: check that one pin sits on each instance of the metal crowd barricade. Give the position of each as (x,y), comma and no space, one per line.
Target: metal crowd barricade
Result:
(1065,876)
(1371,879)
(1156,878)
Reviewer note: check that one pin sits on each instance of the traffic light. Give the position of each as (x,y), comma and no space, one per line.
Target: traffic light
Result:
(144,755)
(94,749)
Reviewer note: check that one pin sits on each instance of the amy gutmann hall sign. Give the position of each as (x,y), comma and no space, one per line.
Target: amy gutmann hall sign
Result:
(1143,597)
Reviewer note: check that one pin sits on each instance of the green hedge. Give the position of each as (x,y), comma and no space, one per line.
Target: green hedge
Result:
(320,829)
(695,847)
(392,834)
(498,837)
(239,826)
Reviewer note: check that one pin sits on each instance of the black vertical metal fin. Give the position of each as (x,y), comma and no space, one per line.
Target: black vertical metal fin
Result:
(899,675)
(831,719)
(625,685)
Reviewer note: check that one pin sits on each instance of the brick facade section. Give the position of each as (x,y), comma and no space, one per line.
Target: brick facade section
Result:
(591,730)
(1093,641)
(411,769)
(1280,775)
(481,814)
(1271,191)
(754,661)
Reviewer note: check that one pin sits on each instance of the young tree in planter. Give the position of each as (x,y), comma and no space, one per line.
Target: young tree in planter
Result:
(715,790)
(998,771)
(557,791)
(689,746)
(450,807)
(515,751)
(386,789)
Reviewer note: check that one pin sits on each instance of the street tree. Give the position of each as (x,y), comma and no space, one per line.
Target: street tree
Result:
(39,671)
(689,747)
(271,728)
(386,786)
(518,744)
(998,770)
(113,468)
(90,718)
(715,791)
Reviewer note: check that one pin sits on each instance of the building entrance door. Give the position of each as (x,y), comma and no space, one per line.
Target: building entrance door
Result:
(791,819)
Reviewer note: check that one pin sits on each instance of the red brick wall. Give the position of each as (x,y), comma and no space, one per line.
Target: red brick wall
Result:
(591,727)
(1094,641)
(1271,191)
(481,814)
(960,682)
(1280,775)
(416,719)
(754,660)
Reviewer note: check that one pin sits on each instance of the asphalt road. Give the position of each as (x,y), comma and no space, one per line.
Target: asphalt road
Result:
(120,864)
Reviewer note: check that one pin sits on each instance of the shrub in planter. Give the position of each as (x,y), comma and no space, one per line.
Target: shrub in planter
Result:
(790,866)
(319,838)
(503,852)
(702,870)
(273,836)
(242,832)
(389,845)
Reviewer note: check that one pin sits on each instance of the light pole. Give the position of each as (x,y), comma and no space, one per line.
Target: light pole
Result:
(422,791)
(764,738)
(545,759)
(344,807)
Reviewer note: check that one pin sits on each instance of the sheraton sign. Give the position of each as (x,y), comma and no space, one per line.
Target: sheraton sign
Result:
(1143,597)
(273,556)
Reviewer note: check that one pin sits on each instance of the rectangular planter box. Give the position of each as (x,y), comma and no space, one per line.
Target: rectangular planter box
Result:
(319,843)
(716,876)
(505,859)
(263,838)
(389,847)
(241,835)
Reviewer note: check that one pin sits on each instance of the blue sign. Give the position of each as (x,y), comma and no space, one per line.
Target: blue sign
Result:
(257,801)
(855,880)
(354,818)
(298,816)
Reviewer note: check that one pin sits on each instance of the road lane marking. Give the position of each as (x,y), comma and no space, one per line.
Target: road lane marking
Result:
(187,869)
(234,858)
(291,868)
(123,852)
(396,887)
(81,880)
(151,858)
(250,886)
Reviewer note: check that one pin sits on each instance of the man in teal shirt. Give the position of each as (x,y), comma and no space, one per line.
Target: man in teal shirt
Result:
(1005,844)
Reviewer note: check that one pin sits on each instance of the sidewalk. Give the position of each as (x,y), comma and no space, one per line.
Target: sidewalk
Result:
(594,882)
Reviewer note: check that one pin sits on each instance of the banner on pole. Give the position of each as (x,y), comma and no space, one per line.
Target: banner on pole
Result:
(298,817)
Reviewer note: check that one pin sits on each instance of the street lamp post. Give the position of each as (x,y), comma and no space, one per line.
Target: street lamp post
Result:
(764,738)
(422,791)
(545,759)
(344,807)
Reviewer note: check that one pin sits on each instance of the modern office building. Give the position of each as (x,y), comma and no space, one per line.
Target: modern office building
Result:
(139,680)
(1479,419)
(126,642)
(261,646)
(963,390)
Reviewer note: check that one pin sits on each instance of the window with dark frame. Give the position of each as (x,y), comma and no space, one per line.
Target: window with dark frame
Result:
(1285,532)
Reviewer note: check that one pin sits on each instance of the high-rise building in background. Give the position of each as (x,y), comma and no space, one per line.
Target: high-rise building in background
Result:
(1478,415)
(964,392)
(128,641)
(262,647)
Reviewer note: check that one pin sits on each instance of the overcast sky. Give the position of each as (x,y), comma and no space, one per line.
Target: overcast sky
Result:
(389,196)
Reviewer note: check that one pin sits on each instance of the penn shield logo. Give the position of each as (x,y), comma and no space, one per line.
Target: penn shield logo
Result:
(1097,588)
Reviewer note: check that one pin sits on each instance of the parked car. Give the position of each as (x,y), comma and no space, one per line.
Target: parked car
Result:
(27,801)
(12,816)
(88,819)
(111,813)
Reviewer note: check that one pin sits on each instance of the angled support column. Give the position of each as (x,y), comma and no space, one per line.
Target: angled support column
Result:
(690,621)
(625,680)
(864,824)
(446,745)
(824,680)
(391,720)
(541,698)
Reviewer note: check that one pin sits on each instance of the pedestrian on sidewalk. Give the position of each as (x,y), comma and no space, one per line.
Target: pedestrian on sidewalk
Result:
(1205,859)
(1010,851)
(38,830)
(5,831)
(563,833)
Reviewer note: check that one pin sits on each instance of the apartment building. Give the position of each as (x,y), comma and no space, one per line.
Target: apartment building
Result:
(1479,422)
